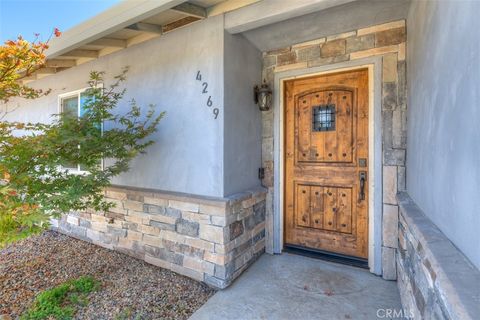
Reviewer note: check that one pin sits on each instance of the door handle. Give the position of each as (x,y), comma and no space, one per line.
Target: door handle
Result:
(363,178)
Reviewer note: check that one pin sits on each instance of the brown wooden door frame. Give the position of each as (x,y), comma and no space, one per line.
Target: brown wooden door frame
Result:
(374,64)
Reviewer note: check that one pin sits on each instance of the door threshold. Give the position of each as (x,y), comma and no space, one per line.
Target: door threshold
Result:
(327,256)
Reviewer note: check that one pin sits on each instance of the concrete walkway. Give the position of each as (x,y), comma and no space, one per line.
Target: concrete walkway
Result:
(289,286)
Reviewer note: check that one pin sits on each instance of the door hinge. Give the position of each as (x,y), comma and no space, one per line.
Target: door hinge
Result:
(261,173)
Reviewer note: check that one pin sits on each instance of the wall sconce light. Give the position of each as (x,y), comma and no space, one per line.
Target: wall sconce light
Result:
(263,96)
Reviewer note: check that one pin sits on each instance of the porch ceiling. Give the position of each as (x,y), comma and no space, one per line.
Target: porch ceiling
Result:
(263,22)
(350,15)
(124,25)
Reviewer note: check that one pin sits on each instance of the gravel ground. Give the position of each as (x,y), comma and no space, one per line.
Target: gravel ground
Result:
(131,288)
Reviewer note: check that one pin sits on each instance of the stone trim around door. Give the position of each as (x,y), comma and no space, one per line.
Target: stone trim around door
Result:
(384,47)
(208,239)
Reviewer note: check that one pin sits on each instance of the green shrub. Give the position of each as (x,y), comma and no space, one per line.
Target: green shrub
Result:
(34,183)
(61,302)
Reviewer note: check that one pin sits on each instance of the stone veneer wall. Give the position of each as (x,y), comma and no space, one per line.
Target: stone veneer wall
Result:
(210,240)
(386,40)
(436,281)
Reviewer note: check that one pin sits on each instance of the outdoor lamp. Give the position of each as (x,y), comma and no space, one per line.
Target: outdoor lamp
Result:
(263,96)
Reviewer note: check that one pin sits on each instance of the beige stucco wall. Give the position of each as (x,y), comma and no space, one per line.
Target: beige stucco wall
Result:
(187,154)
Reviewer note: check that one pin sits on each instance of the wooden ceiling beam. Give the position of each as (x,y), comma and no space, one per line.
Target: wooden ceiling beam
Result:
(146,27)
(179,23)
(59,63)
(191,9)
(142,37)
(229,5)
(80,53)
(47,70)
(32,75)
(108,42)
(30,78)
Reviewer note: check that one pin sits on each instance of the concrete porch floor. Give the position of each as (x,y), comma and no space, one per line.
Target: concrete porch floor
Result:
(290,286)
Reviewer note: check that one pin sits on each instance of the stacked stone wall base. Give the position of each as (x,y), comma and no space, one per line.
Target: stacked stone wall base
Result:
(436,281)
(207,239)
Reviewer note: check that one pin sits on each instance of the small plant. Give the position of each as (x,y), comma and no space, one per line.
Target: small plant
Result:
(128,313)
(61,302)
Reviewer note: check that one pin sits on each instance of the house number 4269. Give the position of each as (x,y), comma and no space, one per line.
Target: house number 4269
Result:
(209,102)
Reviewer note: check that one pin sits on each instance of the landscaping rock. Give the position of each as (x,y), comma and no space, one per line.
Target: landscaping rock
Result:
(130,288)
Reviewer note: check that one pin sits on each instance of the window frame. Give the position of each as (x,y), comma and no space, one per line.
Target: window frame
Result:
(78,94)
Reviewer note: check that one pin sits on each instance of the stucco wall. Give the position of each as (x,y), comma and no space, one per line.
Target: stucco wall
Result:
(443,173)
(243,119)
(188,153)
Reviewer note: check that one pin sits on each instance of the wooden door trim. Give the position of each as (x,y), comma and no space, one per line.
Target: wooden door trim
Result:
(374,65)
(325,88)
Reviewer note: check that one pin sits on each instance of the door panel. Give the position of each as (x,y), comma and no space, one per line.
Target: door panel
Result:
(332,143)
(326,132)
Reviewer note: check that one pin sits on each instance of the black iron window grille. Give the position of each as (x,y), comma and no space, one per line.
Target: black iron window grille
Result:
(324,117)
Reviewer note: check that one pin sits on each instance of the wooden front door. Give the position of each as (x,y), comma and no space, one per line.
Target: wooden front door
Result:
(326,163)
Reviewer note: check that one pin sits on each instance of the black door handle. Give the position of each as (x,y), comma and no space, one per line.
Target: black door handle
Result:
(363,178)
